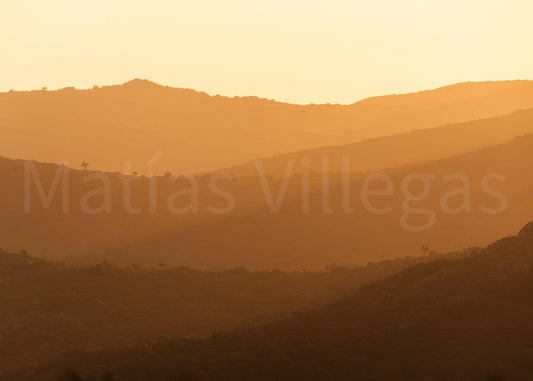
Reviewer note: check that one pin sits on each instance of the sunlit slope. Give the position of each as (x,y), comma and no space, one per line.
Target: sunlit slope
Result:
(400,149)
(158,129)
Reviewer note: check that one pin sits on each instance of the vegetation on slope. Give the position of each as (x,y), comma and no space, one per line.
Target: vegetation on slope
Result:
(463,319)
(49,307)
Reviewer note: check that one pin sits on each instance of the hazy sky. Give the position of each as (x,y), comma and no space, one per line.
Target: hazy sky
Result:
(294,51)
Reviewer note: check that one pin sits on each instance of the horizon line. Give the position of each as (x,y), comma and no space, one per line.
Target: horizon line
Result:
(212,95)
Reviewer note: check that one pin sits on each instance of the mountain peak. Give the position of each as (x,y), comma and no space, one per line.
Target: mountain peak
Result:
(141,83)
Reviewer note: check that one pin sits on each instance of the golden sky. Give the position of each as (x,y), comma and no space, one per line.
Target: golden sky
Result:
(336,51)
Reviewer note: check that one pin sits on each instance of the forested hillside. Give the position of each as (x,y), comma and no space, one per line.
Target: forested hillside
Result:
(63,307)
(464,319)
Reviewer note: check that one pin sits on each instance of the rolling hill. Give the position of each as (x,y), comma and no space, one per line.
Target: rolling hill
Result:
(157,129)
(465,319)
(400,149)
(253,237)
(49,307)
(250,236)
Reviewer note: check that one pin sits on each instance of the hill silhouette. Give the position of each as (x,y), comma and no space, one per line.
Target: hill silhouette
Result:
(464,319)
(400,149)
(253,237)
(158,129)
(250,235)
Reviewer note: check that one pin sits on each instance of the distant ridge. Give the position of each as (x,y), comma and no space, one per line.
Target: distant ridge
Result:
(400,149)
(472,90)
(194,132)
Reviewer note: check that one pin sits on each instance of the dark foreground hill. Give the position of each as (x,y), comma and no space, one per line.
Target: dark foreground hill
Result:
(466,319)
(47,308)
